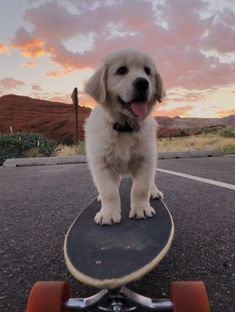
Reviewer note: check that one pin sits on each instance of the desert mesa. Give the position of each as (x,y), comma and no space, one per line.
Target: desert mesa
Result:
(57,120)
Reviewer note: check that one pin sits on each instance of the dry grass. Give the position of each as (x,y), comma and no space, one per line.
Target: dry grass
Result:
(33,152)
(204,142)
(64,150)
(197,143)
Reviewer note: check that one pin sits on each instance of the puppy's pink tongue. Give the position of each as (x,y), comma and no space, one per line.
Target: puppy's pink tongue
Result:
(139,108)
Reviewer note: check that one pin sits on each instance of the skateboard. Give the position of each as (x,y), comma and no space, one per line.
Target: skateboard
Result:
(110,256)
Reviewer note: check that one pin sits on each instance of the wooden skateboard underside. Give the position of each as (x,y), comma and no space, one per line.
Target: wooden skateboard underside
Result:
(111,256)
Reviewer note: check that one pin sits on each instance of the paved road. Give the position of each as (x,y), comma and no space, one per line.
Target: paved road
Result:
(37,205)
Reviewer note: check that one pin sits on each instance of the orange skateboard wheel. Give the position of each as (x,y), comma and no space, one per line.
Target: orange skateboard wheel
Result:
(189,297)
(48,297)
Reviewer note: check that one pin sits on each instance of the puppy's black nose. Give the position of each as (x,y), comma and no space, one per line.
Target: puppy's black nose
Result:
(141,84)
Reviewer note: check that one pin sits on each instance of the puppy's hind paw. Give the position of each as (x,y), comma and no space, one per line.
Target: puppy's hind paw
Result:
(156,193)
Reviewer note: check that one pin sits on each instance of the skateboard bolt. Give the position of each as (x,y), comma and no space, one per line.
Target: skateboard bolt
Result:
(116,307)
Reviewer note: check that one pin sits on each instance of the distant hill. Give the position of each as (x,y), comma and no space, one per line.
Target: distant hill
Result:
(182,123)
(177,126)
(55,120)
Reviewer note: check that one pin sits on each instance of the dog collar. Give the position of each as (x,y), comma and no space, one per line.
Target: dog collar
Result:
(124,128)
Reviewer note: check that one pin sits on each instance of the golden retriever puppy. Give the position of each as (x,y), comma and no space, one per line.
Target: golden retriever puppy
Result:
(121,133)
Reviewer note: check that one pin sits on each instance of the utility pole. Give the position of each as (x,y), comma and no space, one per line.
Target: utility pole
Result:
(74,97)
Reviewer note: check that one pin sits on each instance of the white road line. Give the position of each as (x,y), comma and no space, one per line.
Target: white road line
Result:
(209,181)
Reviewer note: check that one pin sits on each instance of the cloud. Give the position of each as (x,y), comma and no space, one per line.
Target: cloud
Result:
(180,111)
(28,64)
(36,88)
(174,33)
(220,32)
(58,73)
(11,83)
(220,38)
(184,95)
(226,113)
(27,44)
(86,100)
(4,49)
(61,98)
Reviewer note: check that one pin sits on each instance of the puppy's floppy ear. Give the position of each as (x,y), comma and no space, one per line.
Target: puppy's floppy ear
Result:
(96,85)
(160,91)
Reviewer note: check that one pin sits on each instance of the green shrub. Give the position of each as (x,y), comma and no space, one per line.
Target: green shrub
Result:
(227,133)
(68,140)
(183,133)
(18,144)
(228,149)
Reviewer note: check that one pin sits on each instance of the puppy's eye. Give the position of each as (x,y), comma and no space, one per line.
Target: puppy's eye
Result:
(147,71)
(122,70)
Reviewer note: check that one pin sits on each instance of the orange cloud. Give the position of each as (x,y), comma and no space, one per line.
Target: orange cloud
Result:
(4,49)
(28,45)
(226,113)
(33,49)
(58,74)
(173,112)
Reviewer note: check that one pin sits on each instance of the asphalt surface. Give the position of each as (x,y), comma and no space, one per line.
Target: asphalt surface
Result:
(38,204)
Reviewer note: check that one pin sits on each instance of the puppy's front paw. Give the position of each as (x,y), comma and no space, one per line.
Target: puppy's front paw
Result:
(156,194)
(142,212)
(103,217)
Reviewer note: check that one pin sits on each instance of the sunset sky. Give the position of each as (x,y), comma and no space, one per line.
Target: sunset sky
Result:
(49,47)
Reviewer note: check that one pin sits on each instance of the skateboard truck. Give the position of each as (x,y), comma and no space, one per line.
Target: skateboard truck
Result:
(54,297)
(118,300)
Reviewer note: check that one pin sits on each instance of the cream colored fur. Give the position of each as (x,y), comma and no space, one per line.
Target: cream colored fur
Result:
(113,154)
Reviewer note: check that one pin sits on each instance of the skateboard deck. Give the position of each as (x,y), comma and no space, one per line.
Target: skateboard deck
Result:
(110,256)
